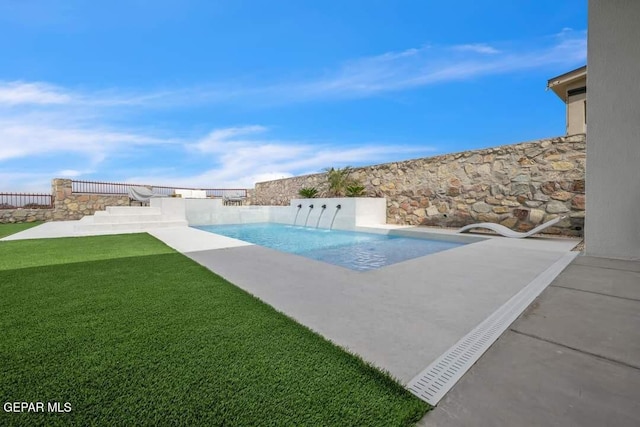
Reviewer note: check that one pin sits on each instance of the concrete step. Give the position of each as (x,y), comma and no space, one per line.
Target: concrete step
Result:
(131,210)
(86,219)
(128,226)
(105,218)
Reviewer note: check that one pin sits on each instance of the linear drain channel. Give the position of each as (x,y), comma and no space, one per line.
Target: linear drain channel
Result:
(438,378)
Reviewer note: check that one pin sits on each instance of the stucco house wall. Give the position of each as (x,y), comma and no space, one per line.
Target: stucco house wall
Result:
(613,146)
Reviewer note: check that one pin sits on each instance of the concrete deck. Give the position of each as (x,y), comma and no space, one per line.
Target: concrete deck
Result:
(400,318)
(572,359)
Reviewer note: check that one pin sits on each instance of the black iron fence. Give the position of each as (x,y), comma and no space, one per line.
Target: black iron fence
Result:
(118,188)
(45,201)
(25,201)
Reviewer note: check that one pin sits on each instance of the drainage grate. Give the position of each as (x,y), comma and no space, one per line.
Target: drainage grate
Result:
(438,378)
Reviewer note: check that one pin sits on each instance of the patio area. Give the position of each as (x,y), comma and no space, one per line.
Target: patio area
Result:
(401,317)
(570,359)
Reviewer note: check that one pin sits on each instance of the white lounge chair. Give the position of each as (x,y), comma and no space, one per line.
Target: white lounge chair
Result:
(507,232)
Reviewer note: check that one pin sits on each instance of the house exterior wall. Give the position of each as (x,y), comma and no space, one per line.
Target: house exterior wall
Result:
(613,148)
(576,109)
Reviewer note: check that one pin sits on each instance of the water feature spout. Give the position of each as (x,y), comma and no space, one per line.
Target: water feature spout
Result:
(308,213)
(320,216)
(295,219)
(338,207)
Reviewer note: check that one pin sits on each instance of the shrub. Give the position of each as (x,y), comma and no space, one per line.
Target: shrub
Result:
(355,190)
(308,192)
(341,184)
(339,179)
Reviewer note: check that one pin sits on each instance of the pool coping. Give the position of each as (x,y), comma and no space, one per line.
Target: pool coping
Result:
(397,232)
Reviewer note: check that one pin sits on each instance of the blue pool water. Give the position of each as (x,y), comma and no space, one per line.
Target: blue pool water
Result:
(354,250)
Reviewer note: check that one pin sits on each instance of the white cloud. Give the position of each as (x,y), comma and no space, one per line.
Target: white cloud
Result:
(241,160)
(70,173)
(16,93)
(433,64)
(218,140)
(390,71)
(37,135)
(477,48)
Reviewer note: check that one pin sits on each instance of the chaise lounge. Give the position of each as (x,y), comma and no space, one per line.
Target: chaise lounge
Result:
(507,232)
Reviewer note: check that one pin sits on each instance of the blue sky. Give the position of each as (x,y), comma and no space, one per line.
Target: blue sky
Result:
(226,93)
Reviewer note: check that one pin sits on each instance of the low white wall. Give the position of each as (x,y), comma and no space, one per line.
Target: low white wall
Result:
(353,212)
(212,211)
(172,208)
(328,217)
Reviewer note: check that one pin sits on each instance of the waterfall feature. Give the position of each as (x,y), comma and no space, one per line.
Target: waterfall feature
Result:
(296,217)
(338,207)
(308,213)
(320,216)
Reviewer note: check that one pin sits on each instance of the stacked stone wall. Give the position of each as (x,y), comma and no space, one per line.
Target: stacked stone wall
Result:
(25,215)
(68,205)
(519,186)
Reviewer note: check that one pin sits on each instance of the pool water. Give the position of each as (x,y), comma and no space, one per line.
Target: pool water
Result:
(353,250)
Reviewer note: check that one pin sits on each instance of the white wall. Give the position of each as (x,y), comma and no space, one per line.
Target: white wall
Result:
(612,227)
(172,208)
(353,212)
(212,211)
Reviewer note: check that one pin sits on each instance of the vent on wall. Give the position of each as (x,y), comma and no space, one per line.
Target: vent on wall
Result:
(577,91)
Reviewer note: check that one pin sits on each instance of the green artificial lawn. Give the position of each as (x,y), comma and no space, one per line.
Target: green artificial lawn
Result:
(130,332)
(8,229)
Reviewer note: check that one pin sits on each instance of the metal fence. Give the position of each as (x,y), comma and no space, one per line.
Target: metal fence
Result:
(118,188)
(25,201)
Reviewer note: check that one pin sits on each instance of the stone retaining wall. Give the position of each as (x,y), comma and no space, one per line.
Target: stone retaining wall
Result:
(68,205)
(25,215)
(519,186)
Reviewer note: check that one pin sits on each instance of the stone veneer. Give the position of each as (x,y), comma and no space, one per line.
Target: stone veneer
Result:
(519,186)
(68,205)
(25,215)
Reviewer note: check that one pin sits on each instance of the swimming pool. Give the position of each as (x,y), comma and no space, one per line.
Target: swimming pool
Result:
(354,250)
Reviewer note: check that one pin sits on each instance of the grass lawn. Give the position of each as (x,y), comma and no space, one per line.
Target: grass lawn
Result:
(130,332)
(7,229)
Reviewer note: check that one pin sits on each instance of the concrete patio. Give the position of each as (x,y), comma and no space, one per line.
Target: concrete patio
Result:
(572,359)
(400,317)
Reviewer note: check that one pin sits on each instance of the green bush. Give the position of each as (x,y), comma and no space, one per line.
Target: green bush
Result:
(342,184)
(355,190)
(308,192)
(339,179)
